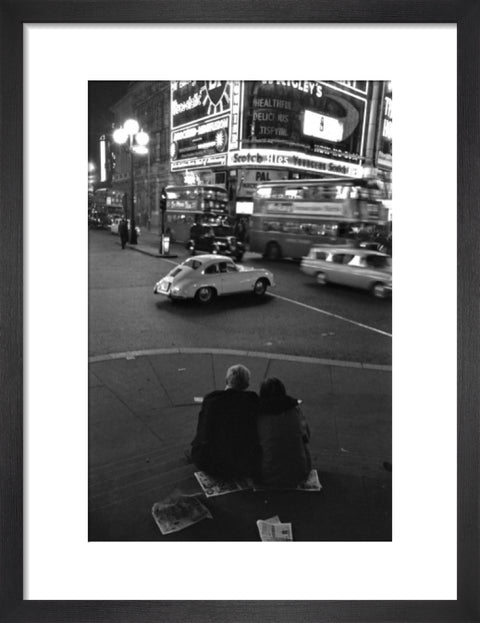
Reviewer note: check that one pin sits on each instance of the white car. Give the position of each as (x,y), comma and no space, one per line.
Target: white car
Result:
(116,223)
(204,277)
(349,266)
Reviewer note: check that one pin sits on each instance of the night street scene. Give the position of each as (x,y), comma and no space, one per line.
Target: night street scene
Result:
(240,310)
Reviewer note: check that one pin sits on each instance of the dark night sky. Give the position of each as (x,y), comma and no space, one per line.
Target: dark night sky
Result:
(101,95)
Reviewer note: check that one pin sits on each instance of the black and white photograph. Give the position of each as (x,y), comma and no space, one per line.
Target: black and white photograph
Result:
(240,245)
(218,353)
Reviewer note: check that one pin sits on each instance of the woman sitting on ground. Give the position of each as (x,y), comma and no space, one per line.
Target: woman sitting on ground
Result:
(283,435)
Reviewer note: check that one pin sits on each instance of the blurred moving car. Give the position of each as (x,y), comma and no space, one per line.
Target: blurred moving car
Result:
(206,276)
(116,222)
(216,238)
(97,220)
(383,247)
(357,268)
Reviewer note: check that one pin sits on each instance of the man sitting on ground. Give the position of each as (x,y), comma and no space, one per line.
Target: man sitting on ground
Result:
(226,444)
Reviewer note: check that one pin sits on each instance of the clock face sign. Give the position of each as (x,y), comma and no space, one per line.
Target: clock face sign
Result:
(221,138)
(215,95)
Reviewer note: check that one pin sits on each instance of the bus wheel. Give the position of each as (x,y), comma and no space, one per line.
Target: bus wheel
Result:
(260,287)
(379,291)
(273,251)
(205,295)
(321,279)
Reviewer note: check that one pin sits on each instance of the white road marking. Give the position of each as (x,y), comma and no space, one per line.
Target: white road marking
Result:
(326,313)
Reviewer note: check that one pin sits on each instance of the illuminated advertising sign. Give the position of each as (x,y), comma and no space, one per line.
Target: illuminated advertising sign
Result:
(384,153)
(200,162)
(292,160)
(200,139)
(103,159)
(200,122)
(305,208)
(194,100)
(315,117)
(236,112)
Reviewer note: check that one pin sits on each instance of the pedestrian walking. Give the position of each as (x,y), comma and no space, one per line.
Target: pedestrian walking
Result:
(123,232)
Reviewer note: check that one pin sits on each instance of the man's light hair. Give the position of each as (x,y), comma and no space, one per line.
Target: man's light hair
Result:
(238,377)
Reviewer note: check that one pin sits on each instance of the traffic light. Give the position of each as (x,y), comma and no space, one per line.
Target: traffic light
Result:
(163,200)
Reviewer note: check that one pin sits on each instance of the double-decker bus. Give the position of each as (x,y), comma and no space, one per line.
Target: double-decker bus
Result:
(186,205)
(291,216)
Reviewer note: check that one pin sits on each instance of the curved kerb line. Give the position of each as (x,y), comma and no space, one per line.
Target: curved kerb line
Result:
(238,353)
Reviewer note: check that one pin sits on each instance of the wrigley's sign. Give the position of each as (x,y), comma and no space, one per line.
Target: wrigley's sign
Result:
(291,160)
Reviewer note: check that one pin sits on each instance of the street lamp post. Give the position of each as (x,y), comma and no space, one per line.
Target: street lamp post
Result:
(135,141)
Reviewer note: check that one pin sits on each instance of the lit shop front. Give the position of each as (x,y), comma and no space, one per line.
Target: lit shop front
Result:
(240,134)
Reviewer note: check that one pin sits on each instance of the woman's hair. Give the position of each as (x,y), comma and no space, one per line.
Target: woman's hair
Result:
(238,377)
(272,388)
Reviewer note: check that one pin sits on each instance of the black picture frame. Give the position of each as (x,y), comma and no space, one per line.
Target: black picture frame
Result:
(13,14)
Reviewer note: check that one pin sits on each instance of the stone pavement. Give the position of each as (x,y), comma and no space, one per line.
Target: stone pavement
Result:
(143,411)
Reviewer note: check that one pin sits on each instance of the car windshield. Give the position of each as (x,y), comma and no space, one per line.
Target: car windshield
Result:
(192,264)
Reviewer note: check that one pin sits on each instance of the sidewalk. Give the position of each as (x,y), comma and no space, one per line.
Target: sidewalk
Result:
(149,243)
(143,415)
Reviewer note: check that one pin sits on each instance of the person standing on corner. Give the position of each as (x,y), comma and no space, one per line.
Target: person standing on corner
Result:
(226,444)
(123,232)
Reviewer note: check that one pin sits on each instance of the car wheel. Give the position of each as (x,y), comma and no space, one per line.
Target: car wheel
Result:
(205,295)
(379,291)
(321,279)
(260,287)
(272,251)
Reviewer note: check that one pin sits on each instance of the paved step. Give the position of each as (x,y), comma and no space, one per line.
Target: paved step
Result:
(177,444)
(99,486)
(168,480)
(349,463)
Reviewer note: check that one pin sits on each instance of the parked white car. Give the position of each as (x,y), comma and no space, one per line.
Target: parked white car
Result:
(349,266)
(204,277)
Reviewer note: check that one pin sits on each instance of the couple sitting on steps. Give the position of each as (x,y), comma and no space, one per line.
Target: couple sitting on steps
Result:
(241,434)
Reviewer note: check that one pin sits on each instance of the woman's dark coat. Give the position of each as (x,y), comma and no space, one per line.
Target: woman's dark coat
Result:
(283,435)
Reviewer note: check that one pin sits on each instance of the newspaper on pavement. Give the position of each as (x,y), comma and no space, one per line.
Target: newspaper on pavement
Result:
(179,511)
(216,486)
(273,529)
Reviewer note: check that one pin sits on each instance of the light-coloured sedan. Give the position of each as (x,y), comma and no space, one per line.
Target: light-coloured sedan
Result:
(349,266)
(204,277)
